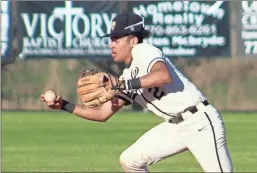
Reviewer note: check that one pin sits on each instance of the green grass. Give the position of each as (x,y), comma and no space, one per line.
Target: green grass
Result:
(60,142)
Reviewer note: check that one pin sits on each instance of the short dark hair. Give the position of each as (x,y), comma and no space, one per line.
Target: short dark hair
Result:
(139,37)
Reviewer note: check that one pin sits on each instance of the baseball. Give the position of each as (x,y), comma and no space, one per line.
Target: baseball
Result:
(50,96)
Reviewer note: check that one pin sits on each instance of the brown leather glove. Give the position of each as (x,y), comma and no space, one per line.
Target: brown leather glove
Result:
(96,88)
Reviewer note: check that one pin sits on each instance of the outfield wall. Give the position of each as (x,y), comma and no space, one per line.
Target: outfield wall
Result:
(228,80)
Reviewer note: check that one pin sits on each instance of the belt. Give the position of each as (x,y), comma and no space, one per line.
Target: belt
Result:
(179,118)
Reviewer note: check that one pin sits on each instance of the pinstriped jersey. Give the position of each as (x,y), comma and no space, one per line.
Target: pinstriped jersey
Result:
(164,101)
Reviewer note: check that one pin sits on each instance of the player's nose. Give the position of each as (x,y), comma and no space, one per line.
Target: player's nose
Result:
(111,45)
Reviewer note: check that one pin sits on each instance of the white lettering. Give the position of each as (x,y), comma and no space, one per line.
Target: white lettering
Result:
(158,41)
(158,18)
(249,21)
(151,9)
(68,11)
(250,47)
(249,35)
(177,5)
(50,36)
(179,51)
(164,6)
(30,27)
(198,41)
(75,25)
(247,7)
(43,19)
(199,19)
(178,19)
(194,7)
(186,4)
(96,25)
(46,42)
(179,40)
(215,8)
(108,21)
(168,19)
(140,11)
(204,7)
(245,19)
(51,26)
(185,18)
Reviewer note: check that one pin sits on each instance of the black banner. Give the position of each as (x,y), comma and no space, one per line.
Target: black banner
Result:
(6,31)
(187,28)
(247,29)
(65,29)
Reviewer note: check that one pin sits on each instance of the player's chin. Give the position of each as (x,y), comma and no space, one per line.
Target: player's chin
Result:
(115,58)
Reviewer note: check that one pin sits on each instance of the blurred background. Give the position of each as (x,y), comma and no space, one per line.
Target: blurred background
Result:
(46,44)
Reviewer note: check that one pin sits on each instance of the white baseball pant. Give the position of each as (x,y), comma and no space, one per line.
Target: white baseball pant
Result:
(203,133)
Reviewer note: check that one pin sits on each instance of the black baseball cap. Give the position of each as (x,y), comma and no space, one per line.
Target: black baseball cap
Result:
(128,23)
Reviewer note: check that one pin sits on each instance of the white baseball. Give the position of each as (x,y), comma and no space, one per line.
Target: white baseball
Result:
(50,96)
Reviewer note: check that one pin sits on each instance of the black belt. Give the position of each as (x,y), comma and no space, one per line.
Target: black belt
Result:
(193,109)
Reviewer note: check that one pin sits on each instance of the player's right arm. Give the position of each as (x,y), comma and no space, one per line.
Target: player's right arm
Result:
(101,113)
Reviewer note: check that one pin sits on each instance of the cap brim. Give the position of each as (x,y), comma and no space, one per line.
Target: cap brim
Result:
(144,33)
(115,34)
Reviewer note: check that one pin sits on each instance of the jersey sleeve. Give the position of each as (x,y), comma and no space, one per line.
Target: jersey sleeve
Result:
(126,98)
(146,56)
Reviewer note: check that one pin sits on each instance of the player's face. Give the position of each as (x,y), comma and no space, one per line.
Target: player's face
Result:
(121,49)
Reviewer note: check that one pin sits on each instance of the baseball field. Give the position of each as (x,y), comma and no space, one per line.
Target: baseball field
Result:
(61,142)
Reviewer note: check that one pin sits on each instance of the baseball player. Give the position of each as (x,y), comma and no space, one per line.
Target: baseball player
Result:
(151,80)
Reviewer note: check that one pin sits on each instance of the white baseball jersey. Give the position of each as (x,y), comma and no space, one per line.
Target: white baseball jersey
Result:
(166,101)
(203,133)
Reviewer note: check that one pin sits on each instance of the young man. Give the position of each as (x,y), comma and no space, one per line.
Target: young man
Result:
(190,121)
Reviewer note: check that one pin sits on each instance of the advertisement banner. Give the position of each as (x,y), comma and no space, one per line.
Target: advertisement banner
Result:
(6,31)
(187,28)
(65,29)
(247,29)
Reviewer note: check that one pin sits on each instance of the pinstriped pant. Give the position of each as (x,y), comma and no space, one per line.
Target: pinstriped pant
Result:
(203,133)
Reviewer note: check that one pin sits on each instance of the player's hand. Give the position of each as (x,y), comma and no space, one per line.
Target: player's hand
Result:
(56,104)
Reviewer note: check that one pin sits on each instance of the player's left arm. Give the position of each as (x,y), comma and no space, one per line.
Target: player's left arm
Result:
(157,77)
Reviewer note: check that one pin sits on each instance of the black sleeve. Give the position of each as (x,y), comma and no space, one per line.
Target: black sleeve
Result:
(126,98)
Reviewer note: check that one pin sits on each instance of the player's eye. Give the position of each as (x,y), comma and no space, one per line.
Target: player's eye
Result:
(114,38)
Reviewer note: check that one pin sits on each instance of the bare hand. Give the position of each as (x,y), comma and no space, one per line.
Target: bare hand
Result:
(57,104)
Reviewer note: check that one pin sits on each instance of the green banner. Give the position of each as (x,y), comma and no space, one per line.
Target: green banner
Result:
(187,28)
(65,29)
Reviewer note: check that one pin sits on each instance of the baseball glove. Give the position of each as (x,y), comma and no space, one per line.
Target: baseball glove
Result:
(96,88)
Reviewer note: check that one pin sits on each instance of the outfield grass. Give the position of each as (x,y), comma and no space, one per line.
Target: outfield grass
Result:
(61,142)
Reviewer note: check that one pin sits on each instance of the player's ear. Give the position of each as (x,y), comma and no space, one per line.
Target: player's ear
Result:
(134,40)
